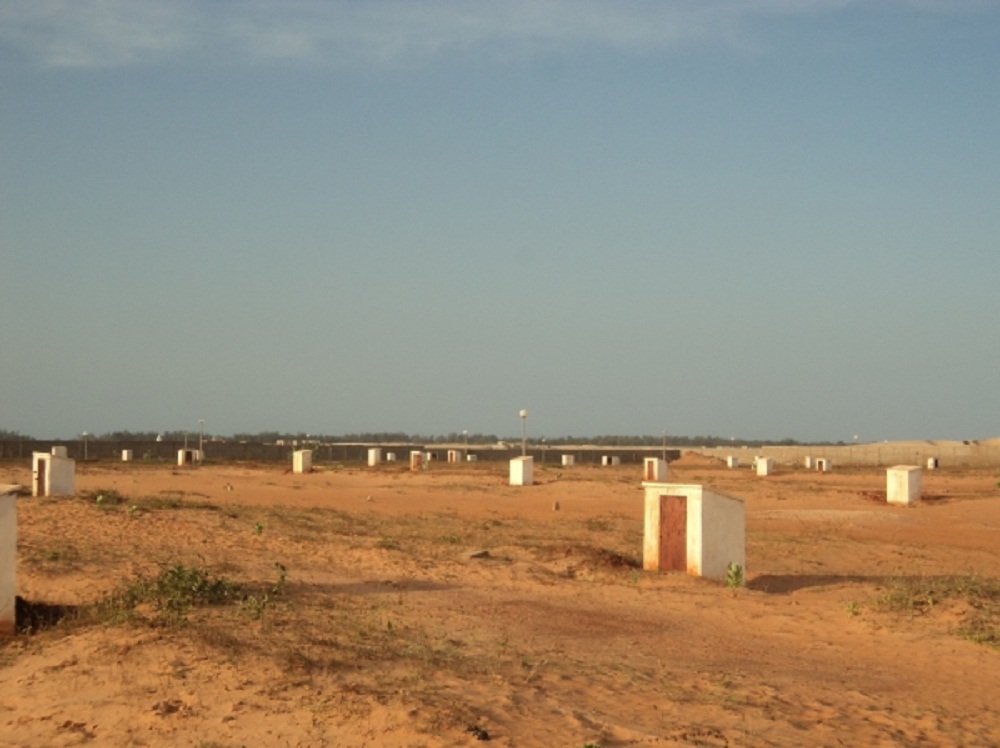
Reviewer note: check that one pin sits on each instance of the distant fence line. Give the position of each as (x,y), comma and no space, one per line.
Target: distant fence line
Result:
(951,454)
(166,451)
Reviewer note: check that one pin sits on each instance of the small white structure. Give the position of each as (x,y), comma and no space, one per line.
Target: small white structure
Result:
(902,485)
(822,464)
(429,457)
(522,471)
(568,460)
(52,474)
(689,528)
(765,465)
(732,461)
(59,452)
(302,461)
(8,560)
(390,456)
(374,456)
(188,456)
(455,455)
(126,455)
(654,469)
(472,458)
(807,462)
(416,459)
(932,463)
(607,460)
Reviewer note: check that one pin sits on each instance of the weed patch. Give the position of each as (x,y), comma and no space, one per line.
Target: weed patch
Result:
(979,596)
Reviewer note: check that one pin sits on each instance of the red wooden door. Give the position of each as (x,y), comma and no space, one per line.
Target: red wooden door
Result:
(673,533)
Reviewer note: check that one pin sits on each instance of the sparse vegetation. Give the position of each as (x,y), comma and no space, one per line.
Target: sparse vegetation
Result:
(978,596)
(734,576)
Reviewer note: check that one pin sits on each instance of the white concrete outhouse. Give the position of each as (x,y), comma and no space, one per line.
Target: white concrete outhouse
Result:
(568,460)
(472,458)
(374,456)
(902,485)
(8,560)
(302,461)
(52,474)
(822,464)
(188,456)
(454,455)
(732,461)
(416,459)
(692,529)
(654,469)
(807,462)
(522,471)
(127,455)
(59,452)
(607,460)
(932,463)
(765,465)
(390,456)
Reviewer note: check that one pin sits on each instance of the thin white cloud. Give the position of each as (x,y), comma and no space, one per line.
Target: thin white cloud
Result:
(107,33)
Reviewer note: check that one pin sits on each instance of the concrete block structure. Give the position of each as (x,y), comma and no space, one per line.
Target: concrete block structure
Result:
(822,465)
(765,465)
(807,462)
(455,455)
(692,529)
(188,456)
(59,452)
(933,463)
(302,461)
(8,560)
(522,471)
(390,456)
(416,459)
(654,469)
(374,456)
(568,460)
(732,461)
(902,485)
(127,455)
(472,458)
(609,460)
(52,475)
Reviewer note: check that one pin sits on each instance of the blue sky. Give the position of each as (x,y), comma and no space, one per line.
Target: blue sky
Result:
(752,219)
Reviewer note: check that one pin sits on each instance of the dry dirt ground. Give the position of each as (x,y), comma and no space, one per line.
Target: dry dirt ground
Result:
(366,617)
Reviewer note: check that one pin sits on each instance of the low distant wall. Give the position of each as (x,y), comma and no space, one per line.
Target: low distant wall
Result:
(949,454)
(166,451)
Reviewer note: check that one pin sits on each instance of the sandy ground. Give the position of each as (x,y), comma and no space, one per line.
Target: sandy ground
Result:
(389,629)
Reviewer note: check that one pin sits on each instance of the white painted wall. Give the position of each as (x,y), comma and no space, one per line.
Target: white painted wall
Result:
(902,485)
(522,471)
(302,461)
(8,560)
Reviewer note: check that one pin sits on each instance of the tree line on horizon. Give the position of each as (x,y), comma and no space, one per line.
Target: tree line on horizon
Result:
(395,437)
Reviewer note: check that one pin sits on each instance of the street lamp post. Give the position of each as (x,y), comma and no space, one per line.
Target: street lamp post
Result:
(85,435)
(524,437)
(201,438)
(664,445)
